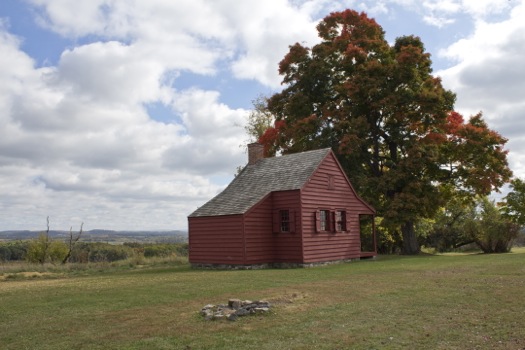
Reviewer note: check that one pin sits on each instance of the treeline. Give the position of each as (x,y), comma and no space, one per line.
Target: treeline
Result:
(463,225)
(40,250)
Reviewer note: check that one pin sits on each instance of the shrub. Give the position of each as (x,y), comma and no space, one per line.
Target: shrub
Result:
(43,249)
(80,253)
(5,253)
(160,249)
(102,252)
(15,250)
(182,249)
(18,249)
(490,230)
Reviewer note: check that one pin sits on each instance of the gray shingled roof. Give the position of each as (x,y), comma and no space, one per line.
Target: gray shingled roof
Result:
(289,172)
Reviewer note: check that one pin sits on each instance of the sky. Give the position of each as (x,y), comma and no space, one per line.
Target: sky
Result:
(129,114)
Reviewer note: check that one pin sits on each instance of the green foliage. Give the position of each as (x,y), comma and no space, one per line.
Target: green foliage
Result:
(259,120)
(513,206)
(478,222)
(13,251)
(448,232)
(80,253)
(520,239)
(103,252)
(44,249)
(5,253)
(57,251)
(487,227)
(367,230)
(37,251)
(388,241)
(160,249)
(18,249)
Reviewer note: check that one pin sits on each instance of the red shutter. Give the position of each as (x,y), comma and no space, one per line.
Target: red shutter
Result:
(317,218)
(347,218)
(292,221)
(276,221)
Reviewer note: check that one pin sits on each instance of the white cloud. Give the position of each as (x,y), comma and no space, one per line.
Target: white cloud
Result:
(215,133)
(204,116)
(110,72)
(488,76)
(265,38)
(437,21)
(72,18)
(486,8)
(77,141)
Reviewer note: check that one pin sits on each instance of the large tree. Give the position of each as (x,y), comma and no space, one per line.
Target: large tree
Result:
(389,120)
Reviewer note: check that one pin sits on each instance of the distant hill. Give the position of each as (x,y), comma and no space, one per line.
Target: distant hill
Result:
(98,235)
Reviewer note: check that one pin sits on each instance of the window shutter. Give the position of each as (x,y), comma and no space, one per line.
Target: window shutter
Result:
(331,221)
(276,221)
(317,218)
(347,219)
(337,226)
(292,221)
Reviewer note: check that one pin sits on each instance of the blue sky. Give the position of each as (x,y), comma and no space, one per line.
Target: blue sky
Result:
(129,114)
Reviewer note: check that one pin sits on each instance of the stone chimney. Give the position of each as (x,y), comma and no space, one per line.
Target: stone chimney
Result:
(255,153)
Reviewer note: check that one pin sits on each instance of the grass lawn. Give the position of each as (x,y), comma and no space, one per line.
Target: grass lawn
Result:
(423,302)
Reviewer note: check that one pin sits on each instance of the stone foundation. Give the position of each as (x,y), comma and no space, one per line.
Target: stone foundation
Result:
(272,265)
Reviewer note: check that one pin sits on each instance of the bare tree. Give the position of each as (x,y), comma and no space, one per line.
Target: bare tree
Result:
(71,242)
(46,242)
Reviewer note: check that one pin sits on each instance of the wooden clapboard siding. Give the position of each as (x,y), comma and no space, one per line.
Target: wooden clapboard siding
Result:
(329,189)
(258,236)
(262,244)
(288,245)
(216,240)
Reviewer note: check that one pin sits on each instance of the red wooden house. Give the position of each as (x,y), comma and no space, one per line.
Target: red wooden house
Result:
(296,209)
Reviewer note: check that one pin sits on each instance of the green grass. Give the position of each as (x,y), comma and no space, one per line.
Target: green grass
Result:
(423,302)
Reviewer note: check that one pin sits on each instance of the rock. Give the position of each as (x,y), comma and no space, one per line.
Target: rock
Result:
(242,312)
(235,309)
(263,303)
(235,303)
(227,312)
(261,309)
(207,313)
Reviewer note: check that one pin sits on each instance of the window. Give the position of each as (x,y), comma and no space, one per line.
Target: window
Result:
(340,221)
(284,216)
(324,220)
(283,220)
(330,221)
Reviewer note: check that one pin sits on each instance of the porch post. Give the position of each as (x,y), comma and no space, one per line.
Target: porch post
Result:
(374,233)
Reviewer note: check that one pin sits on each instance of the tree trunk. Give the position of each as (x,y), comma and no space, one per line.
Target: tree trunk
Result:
(410,244)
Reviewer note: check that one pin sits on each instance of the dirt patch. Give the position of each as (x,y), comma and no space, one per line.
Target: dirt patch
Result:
(26,275)
(289,300)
